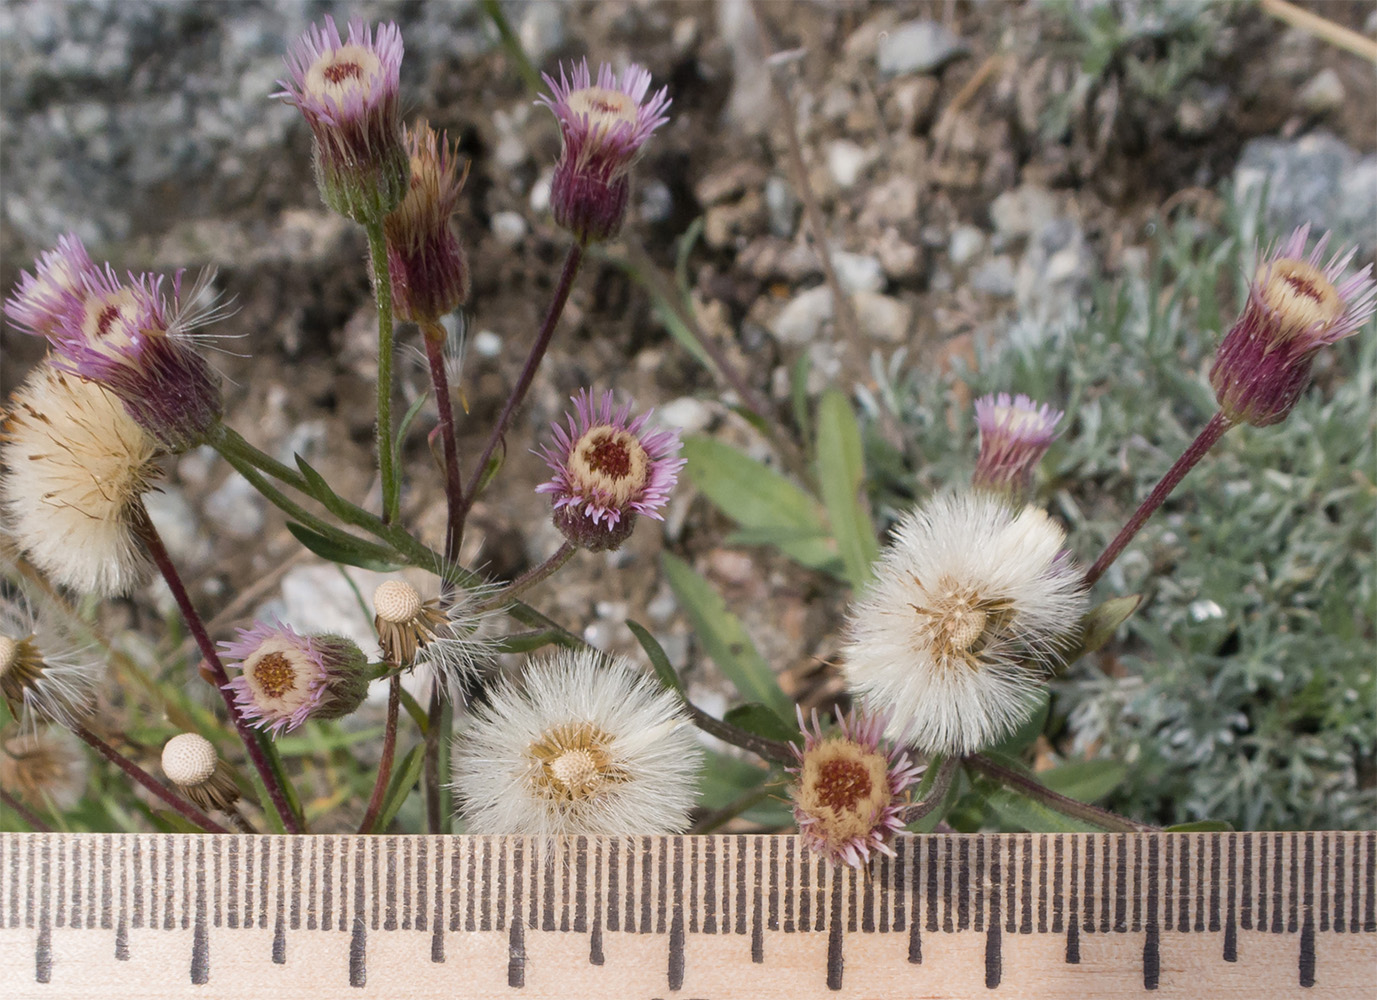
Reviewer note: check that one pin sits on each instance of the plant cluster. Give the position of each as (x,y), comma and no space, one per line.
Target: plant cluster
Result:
(956,630)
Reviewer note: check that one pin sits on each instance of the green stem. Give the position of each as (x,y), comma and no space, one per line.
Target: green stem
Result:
(382,291)
(1039,792)
(439,720)
(711,821)
(511,42)
(934,793)
(434,336)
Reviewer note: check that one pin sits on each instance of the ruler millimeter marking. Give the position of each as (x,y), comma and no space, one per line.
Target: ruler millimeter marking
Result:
(367,904)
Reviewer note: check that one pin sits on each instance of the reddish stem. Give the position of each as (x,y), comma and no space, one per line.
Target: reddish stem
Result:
(1203,442)
(25,813)
(183,808)
(375,801)
(434,336)
(523,382)
(148,534)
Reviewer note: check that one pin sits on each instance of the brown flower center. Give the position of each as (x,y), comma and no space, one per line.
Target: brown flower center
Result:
(350,69)
(956,621)
(109,318)
(274,675)
(845,787)
(1300,297)
(340,72)
(610,461)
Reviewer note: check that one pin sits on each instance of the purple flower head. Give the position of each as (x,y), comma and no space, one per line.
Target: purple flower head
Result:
(286,678)
(603,126)
(608,469)
(133,341)
(1295,306)
(1014,435)
(849,788)
(430,275)
(41,302)
(347,89)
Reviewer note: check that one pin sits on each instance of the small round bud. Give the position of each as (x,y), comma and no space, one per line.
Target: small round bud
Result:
(189,759)
(396,602)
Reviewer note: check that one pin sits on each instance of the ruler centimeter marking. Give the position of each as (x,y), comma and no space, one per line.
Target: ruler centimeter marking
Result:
(1156,887)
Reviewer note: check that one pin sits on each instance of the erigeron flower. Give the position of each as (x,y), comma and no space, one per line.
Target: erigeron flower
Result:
(451,639)
(347,90)
(603,126)
(45,674)
(42,767)
(286,678)
(190,762)
(1014,435)
(608,469)
(430,276)
(583,745)
(76,465)
(972,603)
(136,342)
(849,788)
(40,303)
(1295,306)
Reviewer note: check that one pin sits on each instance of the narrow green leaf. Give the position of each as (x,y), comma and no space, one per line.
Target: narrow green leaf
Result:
(1201,826)
(1101,622)
(320,490)
(664,670)
(841,480)
(409,417)
(756,718)
(1085,780)
(320,741)
(344,548)
(1022,813)
(759,499)
(404,778)
(724,637)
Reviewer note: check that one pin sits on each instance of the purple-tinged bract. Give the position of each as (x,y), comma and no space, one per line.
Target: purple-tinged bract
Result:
(132,340)
(43,299)
(430,276)
(603,126)
(608,469)
(849,788)
(1014,435)
(347,89)
(286,678)
(1295,307)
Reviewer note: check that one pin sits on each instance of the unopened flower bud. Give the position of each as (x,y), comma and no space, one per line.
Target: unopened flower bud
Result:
(1014,435)
(430,276)
(348,92)
(603,126)
(1294,308)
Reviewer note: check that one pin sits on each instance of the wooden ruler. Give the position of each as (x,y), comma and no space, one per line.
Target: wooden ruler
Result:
(1023,915)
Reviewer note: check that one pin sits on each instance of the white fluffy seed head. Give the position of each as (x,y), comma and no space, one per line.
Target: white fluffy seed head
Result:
(189,759)
(585,745)
(971,604)
(45,674)
(75,465)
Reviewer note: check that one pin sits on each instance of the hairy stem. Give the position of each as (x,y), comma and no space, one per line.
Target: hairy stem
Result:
(273,779)
(530,578)
(1203,442)
(937,791)
(389,750)
(434,336)
(431,769)
(382,292)
(1083,811)
(527,376)
(182,807)
(24,812)
(771,750)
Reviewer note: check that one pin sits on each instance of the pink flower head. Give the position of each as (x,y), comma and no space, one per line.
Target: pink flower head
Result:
(132,340)
(1014,435)
(430,275)
(848,795)
(603,126)
(608,469)
(286,678)
(1294,308)
(347,89)
(41,301)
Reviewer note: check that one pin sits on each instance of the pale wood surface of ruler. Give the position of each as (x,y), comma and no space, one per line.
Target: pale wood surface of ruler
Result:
(1024,915)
